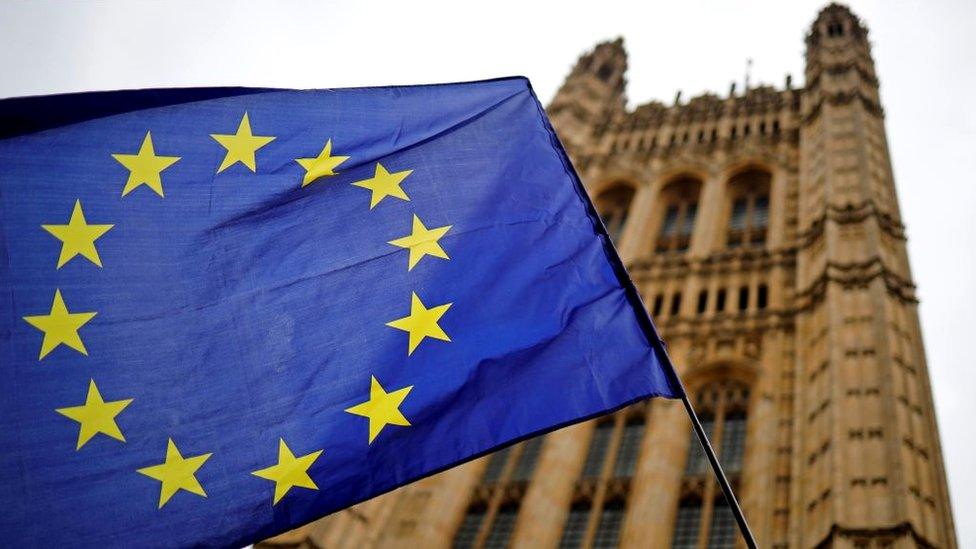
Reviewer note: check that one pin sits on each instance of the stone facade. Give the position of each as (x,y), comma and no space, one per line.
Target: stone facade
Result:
(763,231)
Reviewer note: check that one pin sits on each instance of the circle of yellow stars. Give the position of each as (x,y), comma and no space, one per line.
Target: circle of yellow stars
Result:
(78,238)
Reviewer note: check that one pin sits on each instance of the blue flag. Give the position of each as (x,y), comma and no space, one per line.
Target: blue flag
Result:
(227,312)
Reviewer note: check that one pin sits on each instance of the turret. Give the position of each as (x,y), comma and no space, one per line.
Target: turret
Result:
(870,467)
(591,95)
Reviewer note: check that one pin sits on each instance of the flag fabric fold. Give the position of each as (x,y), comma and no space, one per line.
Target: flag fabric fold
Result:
(227,312)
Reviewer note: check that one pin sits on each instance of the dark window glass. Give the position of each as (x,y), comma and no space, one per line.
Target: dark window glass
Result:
(702,301)
(739,210)
(733,441)
(629,449)
(686,525)
(468,531)
(697,462)
(670,221)
(689,225)
(495,465)
(750,209)
(526,463)
(762,297)
(678,222)
(760,212)
(502,528)
(675,303)
(608,530)
(743,298)
(658,305)
(575,527)
(721,534)
(720,301)
(598,450)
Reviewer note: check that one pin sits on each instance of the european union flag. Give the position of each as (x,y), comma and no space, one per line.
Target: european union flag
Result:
(227,312)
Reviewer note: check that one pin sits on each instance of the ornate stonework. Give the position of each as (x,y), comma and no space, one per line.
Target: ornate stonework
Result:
(763,231)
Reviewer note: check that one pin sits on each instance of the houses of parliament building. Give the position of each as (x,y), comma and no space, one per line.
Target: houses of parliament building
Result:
(763,231)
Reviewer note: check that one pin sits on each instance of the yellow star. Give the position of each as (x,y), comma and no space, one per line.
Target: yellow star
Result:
(421,323)
(422,241)
(290,471)
(323,165)
(384,184)
(241,146)
(145,167)
(60,326)
(382,408)
(96,416)
(176,473)
(78,237)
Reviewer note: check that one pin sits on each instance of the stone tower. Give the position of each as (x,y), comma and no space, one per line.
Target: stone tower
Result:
(870,452)
(593,92)
(763,230)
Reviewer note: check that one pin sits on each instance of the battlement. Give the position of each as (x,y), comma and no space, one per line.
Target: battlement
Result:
(591,115)
(707,107)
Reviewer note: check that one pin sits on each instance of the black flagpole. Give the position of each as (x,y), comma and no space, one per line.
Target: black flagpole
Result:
(719,473)
(740,519)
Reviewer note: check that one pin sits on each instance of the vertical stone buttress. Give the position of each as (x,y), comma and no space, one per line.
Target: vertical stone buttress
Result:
(868,462)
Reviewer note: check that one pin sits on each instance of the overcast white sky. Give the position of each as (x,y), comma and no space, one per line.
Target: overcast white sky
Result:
(925,53)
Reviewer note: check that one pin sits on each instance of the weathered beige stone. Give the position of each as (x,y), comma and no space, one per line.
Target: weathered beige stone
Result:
(841,444)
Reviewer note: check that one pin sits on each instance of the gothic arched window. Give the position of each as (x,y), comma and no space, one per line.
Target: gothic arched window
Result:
(687,525)
(575,528)
(490,521)
(525,466)
(612,456)
(467,533)
(680,199)
(597,450)
(722,531)
(629,449)
(496,463)
(749,217)
(607,533)
(525,456)
(502,527)
(613,206)
(697,463)
(723,407)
